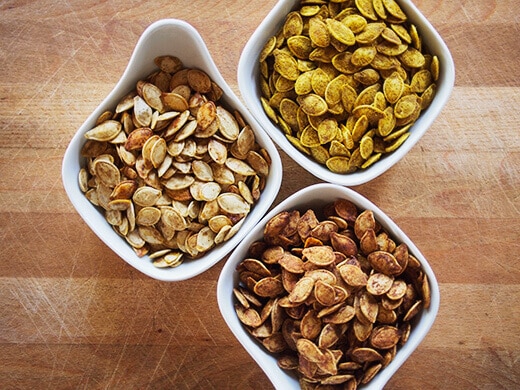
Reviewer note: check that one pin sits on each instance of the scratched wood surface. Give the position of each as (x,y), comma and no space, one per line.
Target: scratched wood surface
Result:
(74,315)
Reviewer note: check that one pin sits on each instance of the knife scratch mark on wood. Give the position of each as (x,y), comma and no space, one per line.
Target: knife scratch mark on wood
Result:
(163,354)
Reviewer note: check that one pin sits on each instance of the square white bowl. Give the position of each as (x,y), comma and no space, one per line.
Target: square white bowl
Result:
(248,82)
(177,38)
(315,197)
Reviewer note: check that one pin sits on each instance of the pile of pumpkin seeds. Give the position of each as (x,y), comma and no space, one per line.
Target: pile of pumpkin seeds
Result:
(346,80)
(330,294)
(173,170)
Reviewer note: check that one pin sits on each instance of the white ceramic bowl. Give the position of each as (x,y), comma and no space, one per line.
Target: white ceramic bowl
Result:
(178,38)
(316,196)
(248,71)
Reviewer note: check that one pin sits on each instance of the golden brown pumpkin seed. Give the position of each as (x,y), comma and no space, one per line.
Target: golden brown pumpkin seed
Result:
(199,81)
(302,290)
(107,172)
(384,262)
(379,283)
(228,124)
(105,131)
(384,337)
(249,316)
(319,255)
(268,287)
(353,275)
(233,203)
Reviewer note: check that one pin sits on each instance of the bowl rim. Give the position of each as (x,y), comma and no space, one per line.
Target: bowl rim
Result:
(72,161)
(247,72)
(228,279)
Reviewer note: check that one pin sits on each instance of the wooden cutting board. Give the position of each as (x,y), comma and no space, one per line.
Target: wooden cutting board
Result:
(74,315)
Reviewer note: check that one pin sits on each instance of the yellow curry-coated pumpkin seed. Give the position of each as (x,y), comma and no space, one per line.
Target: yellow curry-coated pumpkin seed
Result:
(394,9)
(341,32)
(421,80)
(363,55)
(360,128)
(370,33)
(338,149)
(300,46)
(402,32)
(372,113)
(283,85)
(366,8)
(319,81)
(390,49)
(309,137)
(355,22)
(313,105)
(320,154)
(391,36)
(412,58)
(379,9)
(288,110)
(286,65)
(268,48)
(406,105)
(434,68)
(367,76)
(333,91)
(318,32)
(293,24)
(398,142)
(303,85)
(427,96)
(327,130)
(366,147)
(269,110)
(348,97)
(393,87)
(339,164)
(342,62)
(387,123)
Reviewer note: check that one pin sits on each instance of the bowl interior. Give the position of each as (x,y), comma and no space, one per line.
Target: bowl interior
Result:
(316,197)
(178,38)
(248,71)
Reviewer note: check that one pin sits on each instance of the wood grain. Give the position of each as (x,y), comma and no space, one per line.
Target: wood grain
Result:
(74,315)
